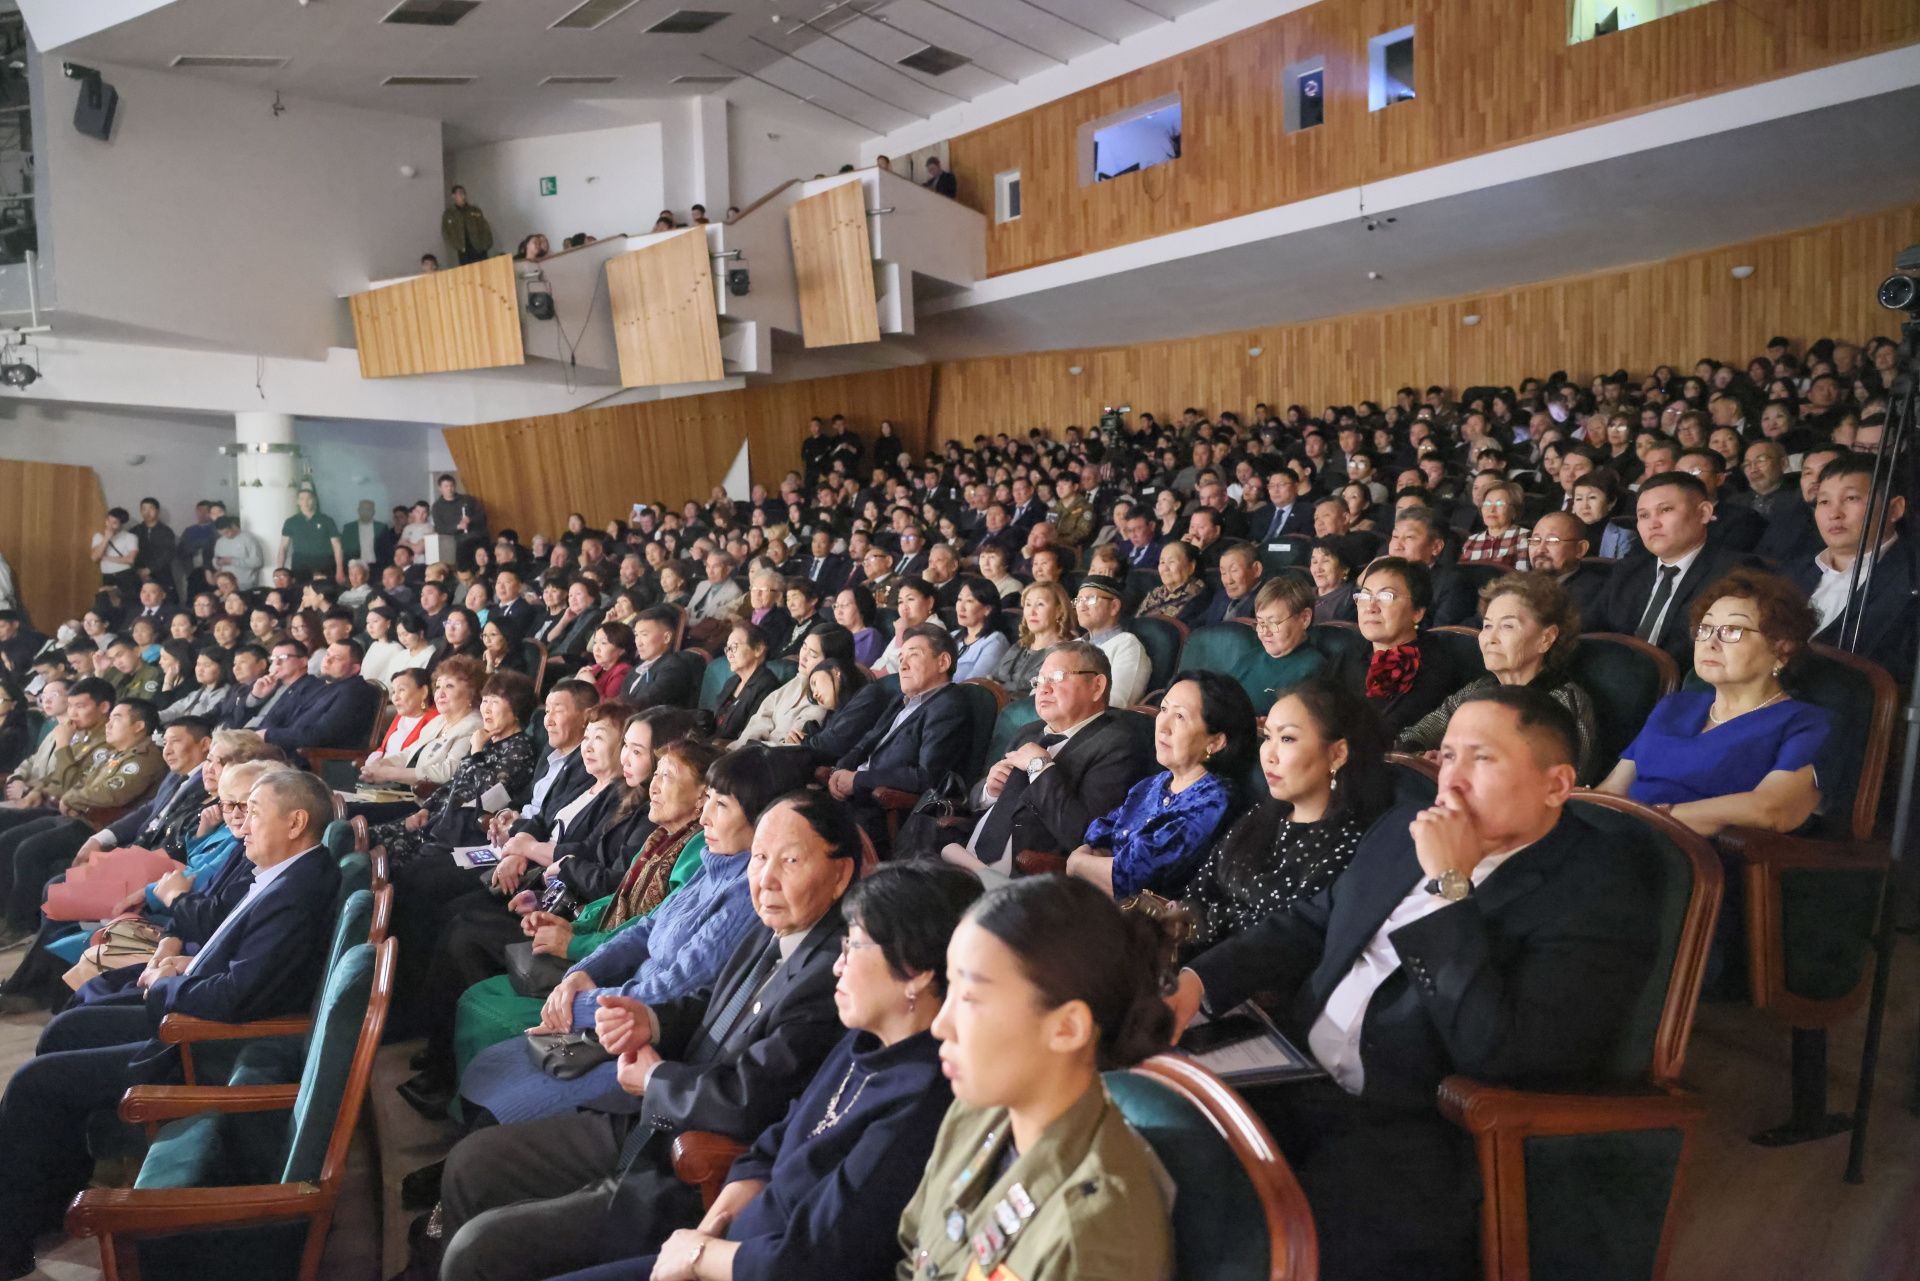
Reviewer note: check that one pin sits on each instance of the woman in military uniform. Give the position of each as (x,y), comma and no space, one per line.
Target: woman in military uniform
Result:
(1036,1176)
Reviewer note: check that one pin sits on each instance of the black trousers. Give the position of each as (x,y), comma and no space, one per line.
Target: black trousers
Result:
(425,891)
(39,971)
(472,947)
(539,1198)
(31,854)
(81,1067)
(1395,1192)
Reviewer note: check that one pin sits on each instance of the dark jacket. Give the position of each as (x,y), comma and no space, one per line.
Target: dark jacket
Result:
(1887,634)
(1587,584)
(168,819)
(933,740)
(738,705)
(572,781)
(196,914)
(1630,591)
(1527,982)
(574,639)
(1268,523)
(291,707)
(672,681)
(593,865)
(339,714)
(1431,684)
(830,571)
(1455,602)
(1090,776)
(1791,534)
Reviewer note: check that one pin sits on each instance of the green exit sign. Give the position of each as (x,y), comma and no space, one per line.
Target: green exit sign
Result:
(549,186)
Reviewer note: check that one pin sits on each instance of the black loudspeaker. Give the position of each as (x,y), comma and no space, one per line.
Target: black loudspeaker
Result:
(94,111)
(737,283)
(540,305)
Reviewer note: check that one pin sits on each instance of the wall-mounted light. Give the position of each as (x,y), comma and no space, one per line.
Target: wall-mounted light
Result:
(407,171)
(1074,370)
(1255,351)
(1373,275)
(1742,271)
(1471,318)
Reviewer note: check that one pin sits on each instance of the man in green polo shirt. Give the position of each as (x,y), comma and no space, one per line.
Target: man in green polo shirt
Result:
(310,541)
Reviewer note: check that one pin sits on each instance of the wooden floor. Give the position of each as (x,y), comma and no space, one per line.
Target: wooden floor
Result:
(1751,1214)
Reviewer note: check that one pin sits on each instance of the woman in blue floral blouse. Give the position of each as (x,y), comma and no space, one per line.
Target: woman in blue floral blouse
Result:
(1203,739)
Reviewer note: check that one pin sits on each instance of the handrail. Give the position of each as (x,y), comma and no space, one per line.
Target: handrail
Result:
(769,196)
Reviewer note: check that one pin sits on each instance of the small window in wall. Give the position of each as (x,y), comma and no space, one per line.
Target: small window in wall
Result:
(1591,19)
(1305,86)
(1006,196)
(1390,69)
(1128,141)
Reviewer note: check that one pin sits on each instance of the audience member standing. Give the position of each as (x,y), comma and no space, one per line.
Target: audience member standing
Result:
(939,181)
(465,229)
(310,542)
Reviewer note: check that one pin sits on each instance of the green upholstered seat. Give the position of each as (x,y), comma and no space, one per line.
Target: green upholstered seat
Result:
(1219,1226)
(1461,645)
(1014,717)
(275,1060)
(713,680)
(783,669)
(1229,648)
(338,838)
(1345,650)
(1162,639)
(1623,683)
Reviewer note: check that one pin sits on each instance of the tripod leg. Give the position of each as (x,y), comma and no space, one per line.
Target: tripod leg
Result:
(1810,1119)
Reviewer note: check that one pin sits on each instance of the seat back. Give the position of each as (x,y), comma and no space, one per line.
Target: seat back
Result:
(1623,677)
(356,873)
(533,653)
(1683,872)
(783,669)
(1415,779)
(1286,552)
(1238,1213)
(338,838)
(1461,645)
(983,710)
(353,925)
(1011,720)
(339,1063)
(713,680)
(1345,650)
(1162,638)
(1861,698)
(1229,648)
(384,715)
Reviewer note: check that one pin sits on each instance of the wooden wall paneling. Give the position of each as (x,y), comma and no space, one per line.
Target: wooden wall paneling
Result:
(833,267)
(459,318)
(532,472)
(46,527)
(666,324)
(1488,74)
(1807,284)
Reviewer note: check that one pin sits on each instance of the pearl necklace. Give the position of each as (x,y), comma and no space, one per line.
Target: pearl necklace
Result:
(834,1115)
(1714,717)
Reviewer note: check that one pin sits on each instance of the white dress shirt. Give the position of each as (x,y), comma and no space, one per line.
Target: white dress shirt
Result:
(1829,596)
(1334,1037)
(262,877)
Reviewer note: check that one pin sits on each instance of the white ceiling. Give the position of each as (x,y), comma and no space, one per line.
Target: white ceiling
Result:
(834,60)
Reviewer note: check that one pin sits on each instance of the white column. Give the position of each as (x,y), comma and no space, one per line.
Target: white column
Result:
(267,480)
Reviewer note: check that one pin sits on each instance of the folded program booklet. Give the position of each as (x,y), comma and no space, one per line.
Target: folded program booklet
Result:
(1243,1047)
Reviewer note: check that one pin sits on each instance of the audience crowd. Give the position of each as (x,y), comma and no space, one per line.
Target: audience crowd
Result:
(867,818)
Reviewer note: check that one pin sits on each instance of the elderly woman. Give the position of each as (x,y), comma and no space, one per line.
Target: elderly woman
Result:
(993,568)
(976,610)
(789,712)
(1504,538)
(1330,565)
(1528,631)
(1046,619)
(677,949)
(1596,500)
(1323,758)
(855,610)
(1282,613)
(766,590)
(1182,595)
(1743,751)
(447,741)
(414,714)
(613,656)
(1203,739)
(819,1195)
(1407,674)
(749,685)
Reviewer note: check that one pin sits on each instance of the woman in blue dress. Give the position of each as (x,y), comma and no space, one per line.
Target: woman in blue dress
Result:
(1742,752)
(1203,738)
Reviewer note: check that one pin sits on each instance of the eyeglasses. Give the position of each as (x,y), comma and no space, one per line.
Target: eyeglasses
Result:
(1493,502)
(1270,626)
(233,807)
(1545,540)
(1056,678)
(1725,633)
(848,946)
(1385,596)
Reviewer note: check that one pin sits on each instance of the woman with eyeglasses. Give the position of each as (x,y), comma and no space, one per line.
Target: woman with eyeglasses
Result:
(1528,631)
(749,686)
(1504,538)
(1742,752)
(1407,674)
(1282,614)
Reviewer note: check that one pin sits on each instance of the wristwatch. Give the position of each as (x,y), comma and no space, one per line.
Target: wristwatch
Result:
(1451,885)
(1037,766)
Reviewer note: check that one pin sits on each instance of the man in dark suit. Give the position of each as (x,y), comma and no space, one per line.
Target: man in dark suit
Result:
(1792,534)
(1418,536)
(513,609)
(1558,546)
(560,776)
(1142,548)
(664,676)
(1650,592)
(284,690)
(923,732)
(1027,510)
(1284,514)
(235,710)
(1063,771)
(263,961)
(1889,579)
(543,1197)
(339,713)
(1490,935)
(1733,524)
(939,181)
(1240,569)
(434,605)
(826,568)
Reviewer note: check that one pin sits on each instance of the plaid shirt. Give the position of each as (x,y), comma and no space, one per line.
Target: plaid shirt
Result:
(1508,546)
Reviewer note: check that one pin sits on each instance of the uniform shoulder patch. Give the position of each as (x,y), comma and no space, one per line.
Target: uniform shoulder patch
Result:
(131,767)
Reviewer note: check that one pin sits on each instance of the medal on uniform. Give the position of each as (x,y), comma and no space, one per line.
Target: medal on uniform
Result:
(1021,1202)
(956,1226)
(1006,1217)
(981,1250)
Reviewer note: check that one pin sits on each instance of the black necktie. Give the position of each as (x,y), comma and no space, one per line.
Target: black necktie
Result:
(1662,593)
(998,827)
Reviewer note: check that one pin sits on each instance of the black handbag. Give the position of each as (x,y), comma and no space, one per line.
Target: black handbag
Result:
(566,1055)
(533,974)
(938,818)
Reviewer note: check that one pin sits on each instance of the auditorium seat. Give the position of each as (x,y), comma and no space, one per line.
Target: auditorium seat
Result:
(1345,650)
(1461,645)
(1163,639)
(1623,677)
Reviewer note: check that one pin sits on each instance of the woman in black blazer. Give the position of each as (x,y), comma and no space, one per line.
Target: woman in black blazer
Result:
(1407,675)
(748,687)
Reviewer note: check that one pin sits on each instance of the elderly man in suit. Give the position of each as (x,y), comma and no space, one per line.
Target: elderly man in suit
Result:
(1649,593)
(338,710)
(1491,934)
(263,961)
(922,732)
(1063,771)
(545,1197)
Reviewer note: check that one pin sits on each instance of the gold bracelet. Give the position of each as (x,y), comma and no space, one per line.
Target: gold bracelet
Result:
(693,1264)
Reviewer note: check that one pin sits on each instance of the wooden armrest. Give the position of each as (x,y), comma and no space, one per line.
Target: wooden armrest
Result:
(150,1211)
(701,1155)
(149,1103)
(357,755)
(1480,1108)
(1039,862)
(822,774)
(359,825)
(179,1029)
(892,798)
(1758,847)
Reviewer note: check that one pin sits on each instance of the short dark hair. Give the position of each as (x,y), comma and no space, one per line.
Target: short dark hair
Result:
(1227,710)
(911,910)
(756,775)
(1677,479)
(91,687)
(142,710)
(353,647)
(516,689)
(665,615)
(937,638)
(1547,725)
(1417,577)
(831,821)
(583,694)
(197,727)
